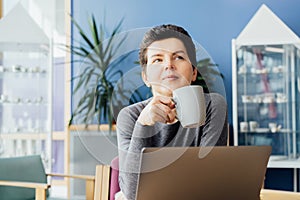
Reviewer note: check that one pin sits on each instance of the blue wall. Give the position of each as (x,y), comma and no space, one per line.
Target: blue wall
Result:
(212,23)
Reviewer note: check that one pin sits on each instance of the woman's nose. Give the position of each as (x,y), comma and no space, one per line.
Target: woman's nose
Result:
(169,64)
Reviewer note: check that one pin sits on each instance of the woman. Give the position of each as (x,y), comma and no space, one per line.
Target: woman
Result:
(168,60)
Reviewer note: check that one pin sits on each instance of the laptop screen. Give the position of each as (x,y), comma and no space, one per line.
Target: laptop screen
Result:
(235,172)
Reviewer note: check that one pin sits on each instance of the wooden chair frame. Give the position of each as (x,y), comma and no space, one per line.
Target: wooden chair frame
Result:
(97,187)
(266,194)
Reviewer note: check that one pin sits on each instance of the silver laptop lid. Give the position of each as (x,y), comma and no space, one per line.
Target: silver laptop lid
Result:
(209,173)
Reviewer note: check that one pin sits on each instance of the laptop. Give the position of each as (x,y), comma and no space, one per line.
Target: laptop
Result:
(208,173)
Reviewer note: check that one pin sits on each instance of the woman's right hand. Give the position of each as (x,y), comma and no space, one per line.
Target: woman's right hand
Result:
(159,109)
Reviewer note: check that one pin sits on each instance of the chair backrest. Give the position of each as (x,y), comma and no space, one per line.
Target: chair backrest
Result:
(106,181)
(114,178)
(26,169)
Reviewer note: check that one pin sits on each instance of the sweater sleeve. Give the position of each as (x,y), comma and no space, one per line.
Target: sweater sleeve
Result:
(132,137)
(215,130)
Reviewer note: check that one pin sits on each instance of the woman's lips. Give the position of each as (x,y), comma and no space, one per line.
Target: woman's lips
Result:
(170,77)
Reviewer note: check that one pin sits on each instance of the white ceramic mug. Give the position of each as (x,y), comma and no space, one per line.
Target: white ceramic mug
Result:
(253,125)
(274,127)
(190,106)
(244,126)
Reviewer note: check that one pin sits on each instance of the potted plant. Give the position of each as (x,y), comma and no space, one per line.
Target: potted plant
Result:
(207,75)
(95,82)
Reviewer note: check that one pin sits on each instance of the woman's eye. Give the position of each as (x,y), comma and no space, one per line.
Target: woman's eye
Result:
(157,60)
(179,58)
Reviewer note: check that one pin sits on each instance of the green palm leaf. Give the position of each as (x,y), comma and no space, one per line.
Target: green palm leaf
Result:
(97,77)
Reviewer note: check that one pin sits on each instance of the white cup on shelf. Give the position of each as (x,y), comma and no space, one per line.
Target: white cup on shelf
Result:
(244,126)
(247,98)
(274,127)
(253,126)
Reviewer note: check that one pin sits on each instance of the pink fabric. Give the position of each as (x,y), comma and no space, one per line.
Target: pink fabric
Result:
(114,178)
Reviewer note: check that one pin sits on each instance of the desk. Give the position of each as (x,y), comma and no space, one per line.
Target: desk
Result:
(266,194)
(284,163)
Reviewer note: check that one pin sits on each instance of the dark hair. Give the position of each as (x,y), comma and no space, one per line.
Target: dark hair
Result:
(163,32)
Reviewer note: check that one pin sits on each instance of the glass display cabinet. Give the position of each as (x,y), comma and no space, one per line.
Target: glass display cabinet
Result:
(266,88)
(25,87)
(24,102)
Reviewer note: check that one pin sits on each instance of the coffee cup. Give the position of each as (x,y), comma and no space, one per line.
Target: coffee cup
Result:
(244,126)
(190,106)
(253,126)
(274,127)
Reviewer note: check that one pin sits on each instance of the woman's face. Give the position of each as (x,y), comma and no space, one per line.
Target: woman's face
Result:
(168,67)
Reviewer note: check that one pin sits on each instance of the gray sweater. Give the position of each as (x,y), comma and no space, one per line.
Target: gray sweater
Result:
(133,136)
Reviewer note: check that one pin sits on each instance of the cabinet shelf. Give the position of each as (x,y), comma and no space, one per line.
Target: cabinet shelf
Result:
(22,72)
(22,104)
(277,102)
(24,135)
(262,73)
(29,69)
(23,75)
(265,98)
(268,131)
(257,78)
(283,162)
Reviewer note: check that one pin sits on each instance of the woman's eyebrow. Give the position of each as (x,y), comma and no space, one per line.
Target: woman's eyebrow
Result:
(179,52)
(156,55)
(173,53)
